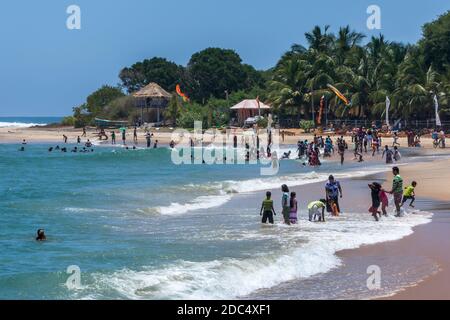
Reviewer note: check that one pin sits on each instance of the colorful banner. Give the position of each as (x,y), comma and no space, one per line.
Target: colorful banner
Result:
(181,94)
(388,105)
(322,107)
(338,94)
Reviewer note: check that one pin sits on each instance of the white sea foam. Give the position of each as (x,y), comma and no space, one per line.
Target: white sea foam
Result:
(229,278)
(231,187)
(19,124)
(204,202)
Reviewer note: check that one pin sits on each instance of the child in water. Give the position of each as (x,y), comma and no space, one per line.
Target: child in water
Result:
(293,205)
(375,194)
(384,202)
(317,209)
(267,211)
(409,194)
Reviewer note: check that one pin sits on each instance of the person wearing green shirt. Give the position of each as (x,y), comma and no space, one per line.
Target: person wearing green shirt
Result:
(267,211)
(397,189)
(409,194)
(314,210)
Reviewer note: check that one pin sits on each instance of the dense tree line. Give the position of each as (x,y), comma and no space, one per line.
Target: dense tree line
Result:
(409,74)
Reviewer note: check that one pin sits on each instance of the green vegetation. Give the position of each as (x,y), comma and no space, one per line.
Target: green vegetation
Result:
(215,79)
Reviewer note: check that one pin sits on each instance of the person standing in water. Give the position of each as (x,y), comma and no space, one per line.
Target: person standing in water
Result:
(285,204)
(317,209)
(267,211)
(65,138)
(293,208)
(409,194)
(375,195)
(389,155)
(148,138)
(41,235)
(384,202)
(333,191)
(113,137)
(397,189)
(341,149)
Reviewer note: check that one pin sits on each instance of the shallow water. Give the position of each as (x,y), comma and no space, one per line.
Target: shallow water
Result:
(140,227)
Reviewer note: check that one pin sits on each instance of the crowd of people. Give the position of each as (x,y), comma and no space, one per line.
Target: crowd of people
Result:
(330,203)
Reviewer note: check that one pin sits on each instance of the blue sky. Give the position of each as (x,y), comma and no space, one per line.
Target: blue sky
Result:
(46,69)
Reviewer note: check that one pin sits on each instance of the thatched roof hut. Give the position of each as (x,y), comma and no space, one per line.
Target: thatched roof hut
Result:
(152,96)
(152,91)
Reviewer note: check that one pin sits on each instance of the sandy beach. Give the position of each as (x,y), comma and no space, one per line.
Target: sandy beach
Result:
(54,135)
(423,254)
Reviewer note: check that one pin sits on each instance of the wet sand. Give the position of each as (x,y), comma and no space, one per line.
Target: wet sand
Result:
(430,241)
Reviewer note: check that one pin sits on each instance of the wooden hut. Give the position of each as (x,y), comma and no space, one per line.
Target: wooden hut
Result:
(154,98)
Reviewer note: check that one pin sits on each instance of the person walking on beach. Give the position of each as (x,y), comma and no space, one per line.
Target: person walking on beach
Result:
(84,132)
(285,204)
(409,194)
(397,189)
(375,189)
(333,192)
(124,137)
(135,138)
(113,137)
(293,207)
(395,142)
(267,211)
(317,209)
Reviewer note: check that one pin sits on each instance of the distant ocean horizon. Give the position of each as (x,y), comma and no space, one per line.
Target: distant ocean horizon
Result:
(25,122)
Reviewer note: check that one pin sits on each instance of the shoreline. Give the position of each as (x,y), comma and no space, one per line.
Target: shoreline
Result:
(433,177)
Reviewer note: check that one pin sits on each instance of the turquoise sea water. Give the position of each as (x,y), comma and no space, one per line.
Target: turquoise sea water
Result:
(140,227)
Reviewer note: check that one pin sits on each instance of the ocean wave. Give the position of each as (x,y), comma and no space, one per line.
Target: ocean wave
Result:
(200,203)
(221,192)
(230,278)
(20,125)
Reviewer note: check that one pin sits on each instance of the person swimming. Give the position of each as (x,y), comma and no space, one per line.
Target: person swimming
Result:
(286,155)
(41,235)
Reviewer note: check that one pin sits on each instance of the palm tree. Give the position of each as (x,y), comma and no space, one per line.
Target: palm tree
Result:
(320,41)
(346,40)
